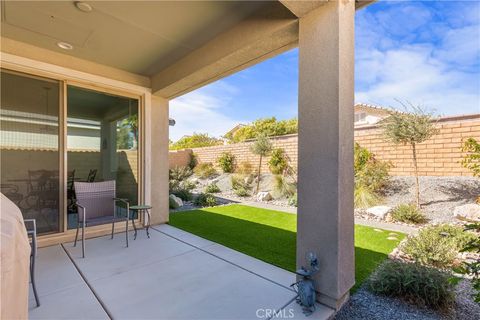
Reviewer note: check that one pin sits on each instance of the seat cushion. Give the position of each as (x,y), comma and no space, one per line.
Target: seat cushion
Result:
(102,220)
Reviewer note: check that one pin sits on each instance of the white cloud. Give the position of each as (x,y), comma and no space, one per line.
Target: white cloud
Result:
(201,111)
(439,69)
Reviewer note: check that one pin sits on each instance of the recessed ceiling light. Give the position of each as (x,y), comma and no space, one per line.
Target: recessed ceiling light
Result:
(64,45)
(83,6)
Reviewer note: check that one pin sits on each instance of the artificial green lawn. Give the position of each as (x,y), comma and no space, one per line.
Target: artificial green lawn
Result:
(271,235)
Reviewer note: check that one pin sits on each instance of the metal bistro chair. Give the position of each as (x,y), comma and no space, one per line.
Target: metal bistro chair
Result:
(96,201)
(31,227)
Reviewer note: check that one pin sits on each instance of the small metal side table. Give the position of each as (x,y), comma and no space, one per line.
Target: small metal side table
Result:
(145,209)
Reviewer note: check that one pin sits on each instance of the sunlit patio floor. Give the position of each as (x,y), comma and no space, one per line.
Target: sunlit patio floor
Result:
(172,275)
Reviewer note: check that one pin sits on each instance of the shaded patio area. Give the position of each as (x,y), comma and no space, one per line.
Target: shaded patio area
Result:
(172,275)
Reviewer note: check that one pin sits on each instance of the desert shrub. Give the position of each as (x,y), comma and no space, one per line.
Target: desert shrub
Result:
(192,163)
(408,213)
(227,162)
(212,188)
(183,190)
(244,167)
(242,192)
(364,197)
(205,200)
(471,268)
(178,183)
(369,171)
(184,194)
(414,283)
(292,201)
(240,186)
(437,245)
(205,170)
(282,187)
(371,175)
(180,173)
(278,162)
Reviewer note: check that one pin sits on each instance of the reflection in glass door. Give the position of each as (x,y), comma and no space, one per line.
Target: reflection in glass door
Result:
(102,143)
(29,119)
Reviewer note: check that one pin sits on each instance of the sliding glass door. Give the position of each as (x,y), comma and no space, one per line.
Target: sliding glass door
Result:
(29,144)
(102,143)
(41,159)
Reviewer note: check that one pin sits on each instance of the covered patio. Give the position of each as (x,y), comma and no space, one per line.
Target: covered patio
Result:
(172,275)
(147,53)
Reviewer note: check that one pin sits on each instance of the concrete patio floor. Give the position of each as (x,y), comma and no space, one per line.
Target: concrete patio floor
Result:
(172,275)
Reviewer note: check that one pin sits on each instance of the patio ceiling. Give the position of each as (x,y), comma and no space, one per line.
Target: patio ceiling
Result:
(171,46)
(139,37)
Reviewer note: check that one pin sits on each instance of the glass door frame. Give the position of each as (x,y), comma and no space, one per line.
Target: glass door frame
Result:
(64,153)
(64,81)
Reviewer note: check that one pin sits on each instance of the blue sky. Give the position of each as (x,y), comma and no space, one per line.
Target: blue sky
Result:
(426,52)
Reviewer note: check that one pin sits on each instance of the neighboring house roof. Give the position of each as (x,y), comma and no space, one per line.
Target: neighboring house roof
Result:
(234,129)
(372,109)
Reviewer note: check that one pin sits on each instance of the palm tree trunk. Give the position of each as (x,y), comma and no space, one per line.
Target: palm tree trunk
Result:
(417,183)
(258,174)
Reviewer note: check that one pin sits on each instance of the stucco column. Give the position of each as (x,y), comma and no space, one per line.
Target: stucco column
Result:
(156,166)
(325,147)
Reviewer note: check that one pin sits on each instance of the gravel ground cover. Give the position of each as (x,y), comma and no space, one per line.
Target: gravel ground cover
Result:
(439,195)
(366,305)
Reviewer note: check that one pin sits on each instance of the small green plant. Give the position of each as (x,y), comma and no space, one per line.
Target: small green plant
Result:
(371,175)
(414,283)
(471,160)
(364,197)
(205,170)
(180,173)
(408,213)
(192,163)
(282,187)
(261,147)
(278,162)
(205,200)
(212,188)
(227,162)
(471,268)
(184,191)
(178,183)
(240,186)
(244,167)
(242,192)
(293,200)
(369,171)
(438,245)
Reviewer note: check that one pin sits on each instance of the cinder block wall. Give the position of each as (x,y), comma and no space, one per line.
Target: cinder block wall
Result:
(439,156)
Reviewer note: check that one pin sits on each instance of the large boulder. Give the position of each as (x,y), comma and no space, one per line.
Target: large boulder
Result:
(469,212)
(379,211)
(264,196)
(175,201)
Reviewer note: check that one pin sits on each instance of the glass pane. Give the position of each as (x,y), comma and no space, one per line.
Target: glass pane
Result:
(102,140)
(29,147)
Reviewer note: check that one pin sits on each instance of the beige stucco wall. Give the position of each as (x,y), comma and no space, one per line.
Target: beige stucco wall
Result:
(157,156)
(439,156)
